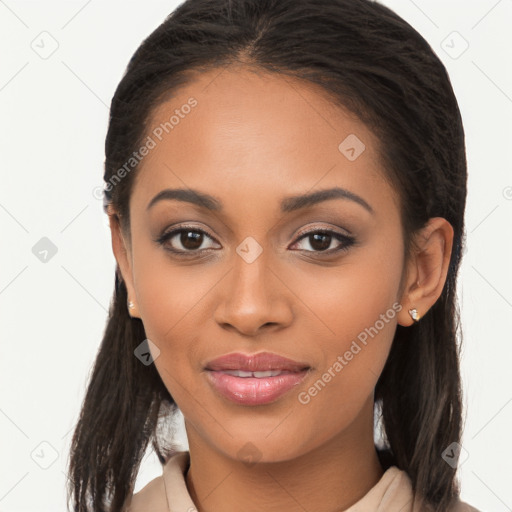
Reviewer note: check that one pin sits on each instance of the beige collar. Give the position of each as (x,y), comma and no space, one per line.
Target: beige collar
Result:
(392,493)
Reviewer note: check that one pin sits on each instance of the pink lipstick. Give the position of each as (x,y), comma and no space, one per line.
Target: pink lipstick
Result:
(255,379)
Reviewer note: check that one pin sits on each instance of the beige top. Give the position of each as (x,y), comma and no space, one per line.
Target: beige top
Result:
(169,493)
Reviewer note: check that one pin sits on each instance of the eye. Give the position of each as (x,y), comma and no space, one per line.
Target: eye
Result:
(183,240)
(190,240)
(321,240)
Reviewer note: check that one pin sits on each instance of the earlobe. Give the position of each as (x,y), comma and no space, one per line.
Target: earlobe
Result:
(132,309)
(122,255)
(428,270)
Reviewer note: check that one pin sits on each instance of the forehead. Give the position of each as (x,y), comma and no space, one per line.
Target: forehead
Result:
(246,135)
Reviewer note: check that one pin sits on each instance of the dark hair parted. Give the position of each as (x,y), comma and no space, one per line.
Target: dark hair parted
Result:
(370,61)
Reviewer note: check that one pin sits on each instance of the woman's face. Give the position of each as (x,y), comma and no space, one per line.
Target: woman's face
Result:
(254,281)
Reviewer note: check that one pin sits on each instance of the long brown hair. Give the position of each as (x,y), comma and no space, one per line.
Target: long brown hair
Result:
(371,61)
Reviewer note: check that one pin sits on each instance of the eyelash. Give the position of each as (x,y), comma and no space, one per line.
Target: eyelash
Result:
(348,241)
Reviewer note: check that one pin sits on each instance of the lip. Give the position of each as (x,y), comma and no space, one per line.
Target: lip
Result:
(255,390)
(252,390)
(260,362)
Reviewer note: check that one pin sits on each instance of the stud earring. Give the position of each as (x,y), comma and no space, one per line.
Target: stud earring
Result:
(414,314)
(131,305)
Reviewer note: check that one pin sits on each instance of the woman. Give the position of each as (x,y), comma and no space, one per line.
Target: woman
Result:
(285,185)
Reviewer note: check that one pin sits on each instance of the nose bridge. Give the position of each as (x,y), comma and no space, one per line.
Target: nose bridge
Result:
(250,272)
(253,296)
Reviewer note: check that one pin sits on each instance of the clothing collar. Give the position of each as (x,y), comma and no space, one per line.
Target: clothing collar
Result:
(392,493)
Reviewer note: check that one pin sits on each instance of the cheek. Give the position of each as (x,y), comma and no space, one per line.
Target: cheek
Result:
(355,318)
(171,301)
(352,362)
(170,293)
(173,312)
(346,299)
(172,305)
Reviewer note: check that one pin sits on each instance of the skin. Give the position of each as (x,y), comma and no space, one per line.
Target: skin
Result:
(252,140)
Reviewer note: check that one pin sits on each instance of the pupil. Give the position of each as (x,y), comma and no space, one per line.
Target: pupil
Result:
(196,239)
(322,246)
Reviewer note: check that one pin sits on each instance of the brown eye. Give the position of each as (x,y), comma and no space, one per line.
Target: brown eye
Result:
(185,240)
(322,240)
(191,240)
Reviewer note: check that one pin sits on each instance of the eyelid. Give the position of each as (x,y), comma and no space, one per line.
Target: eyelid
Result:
(314,229)
(181,227)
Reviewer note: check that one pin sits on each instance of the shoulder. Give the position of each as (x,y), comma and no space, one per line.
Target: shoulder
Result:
(153,497)
(462,506)
(400,488)
(150,498)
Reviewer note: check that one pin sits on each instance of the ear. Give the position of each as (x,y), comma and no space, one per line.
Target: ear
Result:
(427,268)
(123,255)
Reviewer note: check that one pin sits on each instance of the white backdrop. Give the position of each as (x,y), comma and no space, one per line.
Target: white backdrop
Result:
(59,65)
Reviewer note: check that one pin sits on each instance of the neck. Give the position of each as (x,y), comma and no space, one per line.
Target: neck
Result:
(330,478)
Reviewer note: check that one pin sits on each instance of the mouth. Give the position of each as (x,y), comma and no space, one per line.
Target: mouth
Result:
(255,379)
(258,375)
(256,363)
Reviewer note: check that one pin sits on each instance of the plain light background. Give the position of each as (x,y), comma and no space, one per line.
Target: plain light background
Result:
(53,121)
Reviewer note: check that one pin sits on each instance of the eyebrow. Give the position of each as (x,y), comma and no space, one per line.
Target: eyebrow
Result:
(288,204)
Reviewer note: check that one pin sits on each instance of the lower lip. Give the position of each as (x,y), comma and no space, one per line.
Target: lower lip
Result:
(253,390)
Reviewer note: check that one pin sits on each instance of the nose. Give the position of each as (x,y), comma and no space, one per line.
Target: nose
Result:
(254,298)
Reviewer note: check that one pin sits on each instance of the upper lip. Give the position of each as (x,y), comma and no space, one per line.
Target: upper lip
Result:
(262,361)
